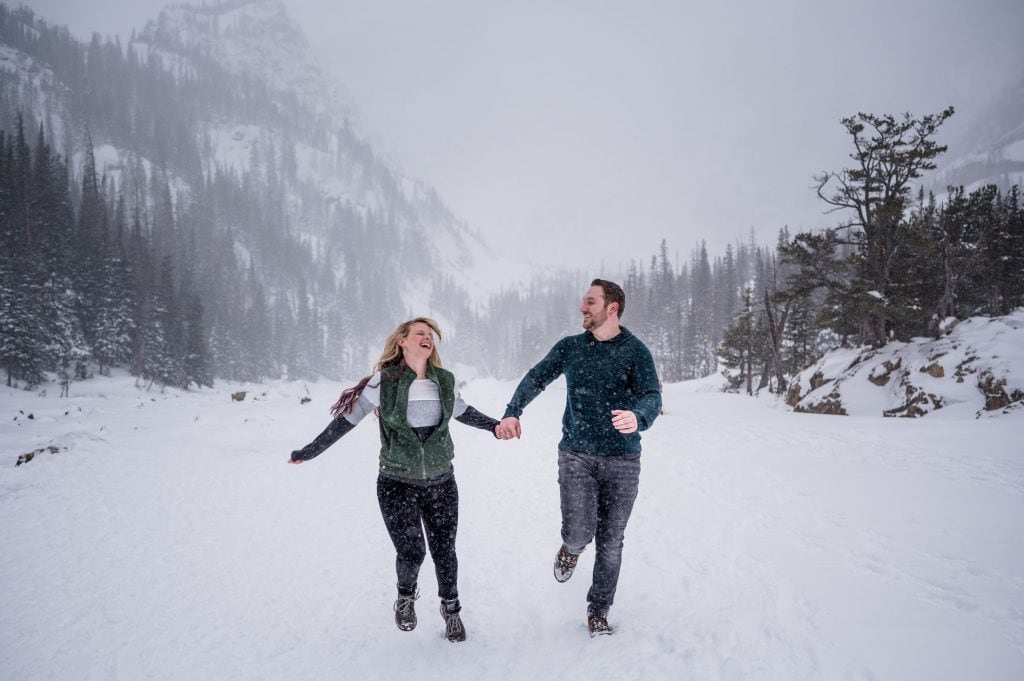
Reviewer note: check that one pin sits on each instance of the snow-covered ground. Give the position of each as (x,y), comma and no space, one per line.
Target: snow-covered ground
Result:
(168,539)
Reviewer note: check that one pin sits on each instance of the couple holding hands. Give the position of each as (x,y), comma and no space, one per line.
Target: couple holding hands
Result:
(612,393)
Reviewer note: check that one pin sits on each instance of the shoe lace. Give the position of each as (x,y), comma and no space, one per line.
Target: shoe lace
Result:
(453,624)
(566,559)
(404,604)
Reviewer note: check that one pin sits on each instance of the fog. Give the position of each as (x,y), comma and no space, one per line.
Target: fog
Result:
(601,128)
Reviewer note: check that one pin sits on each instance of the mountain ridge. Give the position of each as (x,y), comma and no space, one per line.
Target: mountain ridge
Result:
(195,132)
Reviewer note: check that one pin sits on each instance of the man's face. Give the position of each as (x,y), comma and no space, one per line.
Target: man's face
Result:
(593,308)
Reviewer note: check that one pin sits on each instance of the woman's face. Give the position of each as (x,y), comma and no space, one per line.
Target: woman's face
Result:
(418,344)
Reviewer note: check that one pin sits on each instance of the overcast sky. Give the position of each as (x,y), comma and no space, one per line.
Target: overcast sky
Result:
(598,128)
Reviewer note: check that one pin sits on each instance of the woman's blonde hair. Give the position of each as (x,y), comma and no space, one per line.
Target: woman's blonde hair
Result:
(391,356)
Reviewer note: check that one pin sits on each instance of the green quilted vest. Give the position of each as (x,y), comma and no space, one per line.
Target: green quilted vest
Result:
(401,453)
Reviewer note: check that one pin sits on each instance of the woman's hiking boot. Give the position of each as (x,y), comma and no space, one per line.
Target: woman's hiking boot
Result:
(405,611)
(454,631)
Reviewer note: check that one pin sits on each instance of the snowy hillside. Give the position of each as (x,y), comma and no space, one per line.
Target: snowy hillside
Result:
(257,39)
(975,369)
(990,149)
(244,178)
(260,104)
(168,539)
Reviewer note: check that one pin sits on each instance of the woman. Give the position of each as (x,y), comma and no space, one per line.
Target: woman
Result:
(414,399)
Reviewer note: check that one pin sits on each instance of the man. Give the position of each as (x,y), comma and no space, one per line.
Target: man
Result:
(612,393)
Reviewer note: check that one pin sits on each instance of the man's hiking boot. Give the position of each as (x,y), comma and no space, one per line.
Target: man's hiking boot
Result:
(565,563)
(454,631)
(597,623)
(405,611)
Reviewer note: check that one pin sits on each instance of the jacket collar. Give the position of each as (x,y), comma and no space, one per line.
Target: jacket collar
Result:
(621,336)
(409,375)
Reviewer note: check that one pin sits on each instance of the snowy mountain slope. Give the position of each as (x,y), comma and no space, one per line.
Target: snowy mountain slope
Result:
(977,368)
(990,150)
(292,125)
(256,39)
(168,539)
(40,86)
(230,153)
(253,38)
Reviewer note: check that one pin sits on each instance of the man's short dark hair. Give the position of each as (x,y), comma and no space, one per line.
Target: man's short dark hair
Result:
(613,293)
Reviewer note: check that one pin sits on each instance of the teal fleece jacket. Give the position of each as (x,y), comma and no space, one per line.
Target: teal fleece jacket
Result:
(600,376)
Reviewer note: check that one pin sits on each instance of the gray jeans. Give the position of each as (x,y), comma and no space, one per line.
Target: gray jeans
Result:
(597,494)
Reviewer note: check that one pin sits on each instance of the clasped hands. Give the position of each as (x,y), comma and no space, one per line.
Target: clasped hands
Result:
(508,428)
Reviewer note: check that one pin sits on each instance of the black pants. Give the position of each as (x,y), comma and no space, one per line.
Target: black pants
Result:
(408,510)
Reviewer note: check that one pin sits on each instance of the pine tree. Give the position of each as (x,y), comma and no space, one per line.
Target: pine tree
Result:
(258,331)
(22,333)
(889,154)
(86,267)
(820,265)
(956,238)
(740,346)
(114,325)
(304,337)
(699,331)
(20,194)
(159,362)
(49,211)
(67,347)
(727,289)
(800,348)
(1011,284)
(142,297)
(196,364)
(917,279)
(169,367)
(663,306)
(999,263)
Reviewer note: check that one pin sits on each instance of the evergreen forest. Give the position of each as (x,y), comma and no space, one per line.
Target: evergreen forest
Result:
(184,271)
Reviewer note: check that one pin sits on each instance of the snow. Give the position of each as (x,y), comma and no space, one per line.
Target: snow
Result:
(474,265)
(238,39)
(41,94)
(951,373)
(1014,151)
(232,145)
(168,539)
(110,162)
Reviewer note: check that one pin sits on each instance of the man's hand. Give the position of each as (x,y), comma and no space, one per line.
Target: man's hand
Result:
(624,421)
(509,428)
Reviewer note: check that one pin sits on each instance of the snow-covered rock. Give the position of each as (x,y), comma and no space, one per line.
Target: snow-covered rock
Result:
(976,368)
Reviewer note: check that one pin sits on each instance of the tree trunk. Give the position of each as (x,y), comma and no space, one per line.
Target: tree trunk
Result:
(750,377)
(947,308)
(775,339)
